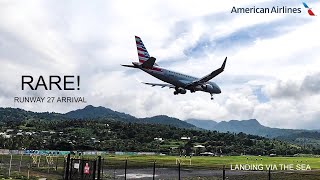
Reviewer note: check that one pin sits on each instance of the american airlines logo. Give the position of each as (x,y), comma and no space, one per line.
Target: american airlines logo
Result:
(266,10)
(310,12)
(272,10)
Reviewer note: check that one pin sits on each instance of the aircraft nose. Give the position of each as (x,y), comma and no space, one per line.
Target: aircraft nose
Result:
(218,90)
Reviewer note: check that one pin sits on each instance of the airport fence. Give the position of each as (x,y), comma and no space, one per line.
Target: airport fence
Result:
(54,167)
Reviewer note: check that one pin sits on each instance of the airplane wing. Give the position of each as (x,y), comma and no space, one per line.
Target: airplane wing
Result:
(161,85)
(209,76)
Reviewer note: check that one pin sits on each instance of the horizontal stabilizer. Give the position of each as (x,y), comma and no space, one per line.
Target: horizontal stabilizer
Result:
(131,66)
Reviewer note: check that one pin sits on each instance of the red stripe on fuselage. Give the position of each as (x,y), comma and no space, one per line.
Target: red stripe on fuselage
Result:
(155,69)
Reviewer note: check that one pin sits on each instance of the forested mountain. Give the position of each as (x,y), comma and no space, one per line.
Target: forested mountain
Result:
(251,126)
(309,138)
(204,124)
(17,118)
(90,112)
(17,115)
(110,135)
(166,120)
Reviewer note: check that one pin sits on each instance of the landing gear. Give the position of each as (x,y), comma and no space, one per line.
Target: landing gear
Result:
(179,90)
(211,97)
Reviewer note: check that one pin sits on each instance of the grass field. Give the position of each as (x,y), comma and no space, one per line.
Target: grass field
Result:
(217,162)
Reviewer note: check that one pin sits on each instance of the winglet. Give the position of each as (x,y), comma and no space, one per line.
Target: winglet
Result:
(224,63)
(209,76)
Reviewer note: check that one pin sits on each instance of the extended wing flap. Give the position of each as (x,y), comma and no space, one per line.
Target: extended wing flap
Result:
(161,85)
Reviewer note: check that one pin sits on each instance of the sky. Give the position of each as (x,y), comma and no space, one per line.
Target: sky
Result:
(272,73)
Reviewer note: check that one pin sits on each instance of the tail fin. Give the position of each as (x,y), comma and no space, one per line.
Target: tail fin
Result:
(143,54)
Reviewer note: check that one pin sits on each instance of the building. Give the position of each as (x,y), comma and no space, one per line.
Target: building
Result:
(158,139)
(185,138)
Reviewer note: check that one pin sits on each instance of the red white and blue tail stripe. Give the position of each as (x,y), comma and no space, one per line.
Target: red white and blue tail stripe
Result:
(143,54)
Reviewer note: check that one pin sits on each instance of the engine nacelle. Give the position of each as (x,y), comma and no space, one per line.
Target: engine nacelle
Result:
(207,87)
(180,91)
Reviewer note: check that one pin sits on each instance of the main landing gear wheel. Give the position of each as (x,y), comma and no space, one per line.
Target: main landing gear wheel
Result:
(211,97)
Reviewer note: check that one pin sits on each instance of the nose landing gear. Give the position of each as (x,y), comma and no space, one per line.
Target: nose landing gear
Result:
(211,97)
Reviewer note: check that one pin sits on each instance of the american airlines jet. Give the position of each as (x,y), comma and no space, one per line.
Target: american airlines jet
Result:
(180,82)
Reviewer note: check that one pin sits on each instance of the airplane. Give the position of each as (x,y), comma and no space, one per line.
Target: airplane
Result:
(180,82)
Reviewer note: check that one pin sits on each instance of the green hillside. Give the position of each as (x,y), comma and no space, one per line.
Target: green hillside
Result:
(53,131)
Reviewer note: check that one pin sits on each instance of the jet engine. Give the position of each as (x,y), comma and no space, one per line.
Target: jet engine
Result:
(179,91)
(207,87)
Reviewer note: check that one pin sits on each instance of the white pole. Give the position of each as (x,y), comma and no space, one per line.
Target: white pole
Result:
(1,161)
(10,165)
(48,168)
(39,161)
(28,171)
(20,163)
